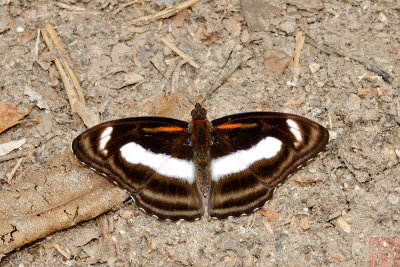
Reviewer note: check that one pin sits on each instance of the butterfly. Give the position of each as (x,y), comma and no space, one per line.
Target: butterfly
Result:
(176,170)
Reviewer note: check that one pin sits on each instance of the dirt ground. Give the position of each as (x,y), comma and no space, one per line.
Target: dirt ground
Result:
(327,213)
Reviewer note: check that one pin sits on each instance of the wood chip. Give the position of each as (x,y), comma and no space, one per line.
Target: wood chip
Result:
(14,170)
(296,66)
(61,251)
(296,101)
(186,57)
(268,226)
(304,223)
(6,148)
(343,225)
(168,12)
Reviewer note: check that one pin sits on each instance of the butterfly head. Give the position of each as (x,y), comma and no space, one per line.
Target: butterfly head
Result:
(199,113)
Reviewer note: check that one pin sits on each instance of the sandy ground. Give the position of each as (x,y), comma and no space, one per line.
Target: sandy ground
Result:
(325,214)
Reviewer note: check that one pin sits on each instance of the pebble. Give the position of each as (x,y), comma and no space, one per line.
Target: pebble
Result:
(354,102)
(278,245)
(393,199)
(356,247)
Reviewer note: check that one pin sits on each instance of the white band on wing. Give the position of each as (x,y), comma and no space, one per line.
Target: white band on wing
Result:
(243,159)
(161,163)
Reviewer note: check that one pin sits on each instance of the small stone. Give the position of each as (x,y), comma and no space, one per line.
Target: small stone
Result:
(20,29)
(356,247)
(278,245)
(393,199)
(354,102)
(389,153)
(245,37)
(288,26)
(296,101)
(314,67)
(332,135)
(397,152)
(382,17)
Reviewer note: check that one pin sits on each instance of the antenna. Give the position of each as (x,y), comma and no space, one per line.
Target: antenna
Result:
(217,82)
(170,83)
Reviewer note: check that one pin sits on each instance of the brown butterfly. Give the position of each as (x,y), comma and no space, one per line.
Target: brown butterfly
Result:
(175,170)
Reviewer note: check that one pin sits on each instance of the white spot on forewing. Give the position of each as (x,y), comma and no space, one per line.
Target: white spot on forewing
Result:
(242,159)
(161,163)
(294,128)
(107,131)
(104,138)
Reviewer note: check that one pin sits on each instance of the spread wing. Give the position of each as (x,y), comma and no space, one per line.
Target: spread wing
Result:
(151,158)
(253,153)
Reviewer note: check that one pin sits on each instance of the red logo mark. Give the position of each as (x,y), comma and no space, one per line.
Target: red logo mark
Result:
(384,251)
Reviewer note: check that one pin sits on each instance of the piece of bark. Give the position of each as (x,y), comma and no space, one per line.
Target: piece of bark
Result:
(59,195)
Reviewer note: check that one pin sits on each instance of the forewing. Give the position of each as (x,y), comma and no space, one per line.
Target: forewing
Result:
(151,158)
(252,153)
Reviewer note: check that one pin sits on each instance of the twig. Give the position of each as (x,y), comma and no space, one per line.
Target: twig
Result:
(70,81)
(36,47)
(125,5)
(55,40)
(371,67)
(14,170)
(69,7)
(186,57)
(72,94)
(61,251)
(296,59)
(168,12)
(374,68)
(13,156)
(6,28)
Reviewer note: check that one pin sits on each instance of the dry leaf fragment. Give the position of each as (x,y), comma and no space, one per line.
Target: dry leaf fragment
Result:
(276,60)
(34,96)
(269,213)
(366,91)
(178,20)
(132,78)
(10,146)
(89,117)
(9,116)
(84,236)
(232,26)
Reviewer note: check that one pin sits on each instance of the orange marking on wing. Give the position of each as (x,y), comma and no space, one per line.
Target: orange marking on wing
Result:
(236,125)
(229,126)
(169,129)
(163,129)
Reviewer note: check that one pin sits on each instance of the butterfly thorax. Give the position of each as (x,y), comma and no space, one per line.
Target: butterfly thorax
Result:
(201,143)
